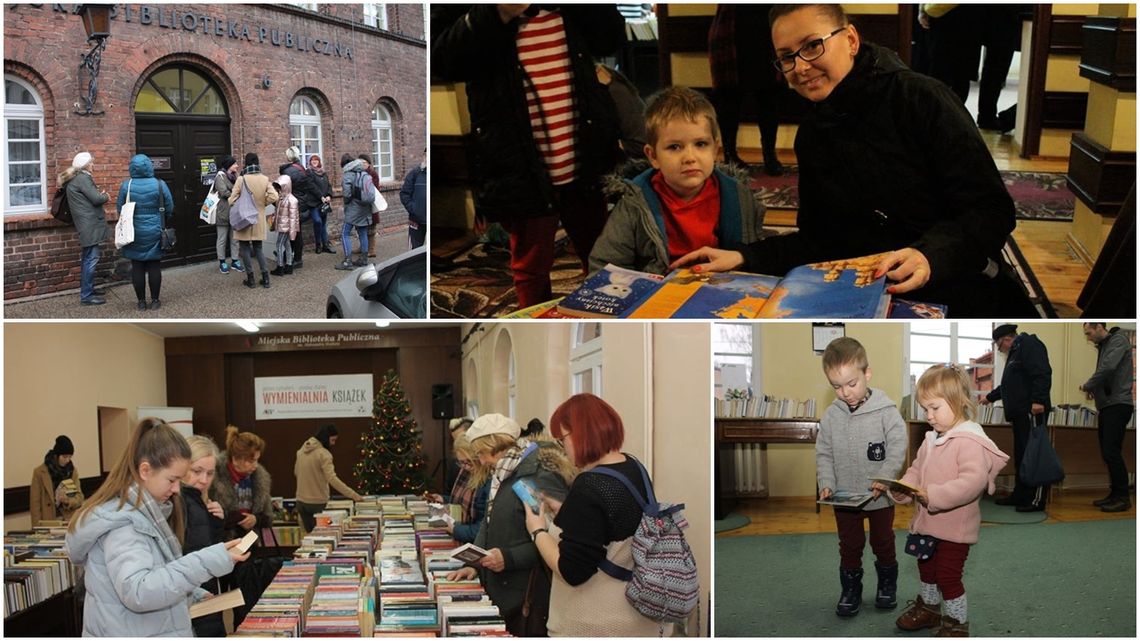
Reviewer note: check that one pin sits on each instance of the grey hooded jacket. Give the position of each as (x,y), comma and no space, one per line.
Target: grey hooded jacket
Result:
(132,590)
(854,446)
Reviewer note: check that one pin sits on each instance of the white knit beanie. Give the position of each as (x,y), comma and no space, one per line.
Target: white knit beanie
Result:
(81,160)
(488,424)
(293,153)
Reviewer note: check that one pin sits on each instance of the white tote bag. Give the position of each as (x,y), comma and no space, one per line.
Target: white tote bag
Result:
(378,203)
(125,228)
(209,211)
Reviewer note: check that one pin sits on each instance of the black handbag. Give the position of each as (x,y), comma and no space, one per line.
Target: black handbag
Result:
(1040,464)
(169,239)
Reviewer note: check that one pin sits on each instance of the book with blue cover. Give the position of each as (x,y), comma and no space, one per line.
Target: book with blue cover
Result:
(844,288)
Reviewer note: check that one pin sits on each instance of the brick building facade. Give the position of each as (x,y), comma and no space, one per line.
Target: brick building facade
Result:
(187,84)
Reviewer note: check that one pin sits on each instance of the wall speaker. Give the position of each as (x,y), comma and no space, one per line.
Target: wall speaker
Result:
(442,404)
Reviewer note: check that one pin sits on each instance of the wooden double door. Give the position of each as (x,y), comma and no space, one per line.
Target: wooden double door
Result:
(185,150)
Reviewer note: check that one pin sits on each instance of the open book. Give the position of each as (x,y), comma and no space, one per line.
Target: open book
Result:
(846,499)
(896,485)
(469,553)
(223,601)
(832,289)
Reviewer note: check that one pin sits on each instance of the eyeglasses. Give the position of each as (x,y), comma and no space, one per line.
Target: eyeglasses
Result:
(810,51)
(562,441)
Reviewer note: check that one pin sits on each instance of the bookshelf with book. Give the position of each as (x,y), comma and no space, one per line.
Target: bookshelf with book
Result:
(39,580)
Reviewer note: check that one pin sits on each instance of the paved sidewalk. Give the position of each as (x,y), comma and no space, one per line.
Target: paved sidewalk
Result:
(201,291)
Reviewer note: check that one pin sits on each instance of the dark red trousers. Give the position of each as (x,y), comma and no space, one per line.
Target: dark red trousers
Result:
(582,210)
(945,568)
(852,537)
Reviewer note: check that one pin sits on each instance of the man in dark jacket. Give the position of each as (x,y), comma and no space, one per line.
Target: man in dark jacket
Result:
(306,191)
(1110,387)
(86,203)
(1024,392)
(535,163)
(414,197)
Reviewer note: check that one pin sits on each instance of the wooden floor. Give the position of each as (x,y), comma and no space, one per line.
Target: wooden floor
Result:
(796,515)
(1060,272)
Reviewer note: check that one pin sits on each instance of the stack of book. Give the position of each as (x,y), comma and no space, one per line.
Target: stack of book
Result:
(340,606)
(36,567)
(280,610)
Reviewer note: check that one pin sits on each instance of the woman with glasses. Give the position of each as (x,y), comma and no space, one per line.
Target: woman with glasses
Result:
(470,493)
(889,161)
(593,527)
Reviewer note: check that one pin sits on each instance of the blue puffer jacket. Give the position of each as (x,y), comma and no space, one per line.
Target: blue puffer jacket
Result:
(149,195)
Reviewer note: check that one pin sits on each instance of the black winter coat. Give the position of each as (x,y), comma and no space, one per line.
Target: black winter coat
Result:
(202,530)
(891,159)
(471,44)
(1027,377)
(306,191)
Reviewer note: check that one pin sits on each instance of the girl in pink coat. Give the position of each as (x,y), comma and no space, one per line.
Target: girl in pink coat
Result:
(287,223)
(956,464)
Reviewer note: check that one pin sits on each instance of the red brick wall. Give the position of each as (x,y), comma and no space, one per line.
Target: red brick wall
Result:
(42,46)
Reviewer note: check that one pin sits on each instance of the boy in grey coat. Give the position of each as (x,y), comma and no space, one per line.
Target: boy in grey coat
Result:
(861,435)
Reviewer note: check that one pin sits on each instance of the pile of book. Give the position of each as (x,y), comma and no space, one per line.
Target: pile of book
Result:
(766,407)
(36,567)
(280,610)
(341,605)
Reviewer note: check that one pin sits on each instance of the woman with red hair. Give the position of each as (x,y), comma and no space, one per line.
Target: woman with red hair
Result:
(593,525)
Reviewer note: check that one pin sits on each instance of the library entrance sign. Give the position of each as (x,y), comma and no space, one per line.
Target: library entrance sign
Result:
(294,397)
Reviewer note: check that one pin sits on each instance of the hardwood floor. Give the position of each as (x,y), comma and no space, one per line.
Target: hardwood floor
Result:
(1061,273)
(796,515)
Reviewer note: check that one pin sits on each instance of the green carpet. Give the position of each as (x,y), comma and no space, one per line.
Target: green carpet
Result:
(1047,580)
(1008,514)
(733,521)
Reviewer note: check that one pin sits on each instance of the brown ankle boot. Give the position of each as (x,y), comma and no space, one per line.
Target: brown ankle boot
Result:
(951,627)
(919,615)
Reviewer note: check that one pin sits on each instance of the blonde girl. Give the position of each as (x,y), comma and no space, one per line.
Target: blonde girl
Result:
(956,464)
(128,537)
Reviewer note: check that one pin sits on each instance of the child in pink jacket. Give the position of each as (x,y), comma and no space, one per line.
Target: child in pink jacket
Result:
(286,223)
(956,464)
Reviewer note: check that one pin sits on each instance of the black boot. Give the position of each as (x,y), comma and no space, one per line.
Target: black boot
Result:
(249,279)
(279,270)
(288,269)
(264,279)
(888,586)
(852,597)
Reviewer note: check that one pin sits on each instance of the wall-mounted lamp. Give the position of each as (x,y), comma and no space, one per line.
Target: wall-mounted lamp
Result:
(97,24)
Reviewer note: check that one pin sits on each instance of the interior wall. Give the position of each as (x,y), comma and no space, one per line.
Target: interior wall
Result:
(57,375)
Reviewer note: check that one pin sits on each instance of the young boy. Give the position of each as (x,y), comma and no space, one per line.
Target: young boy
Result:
(861,435)
(683,202)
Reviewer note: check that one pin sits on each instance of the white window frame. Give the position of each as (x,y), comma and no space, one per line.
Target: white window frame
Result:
(755,381)
(376,15)
(25,112)
(586,357)
(380,126)
(301,120)
(908,384)
(311,6)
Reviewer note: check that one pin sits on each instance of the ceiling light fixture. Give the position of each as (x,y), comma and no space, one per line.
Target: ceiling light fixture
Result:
(248,326)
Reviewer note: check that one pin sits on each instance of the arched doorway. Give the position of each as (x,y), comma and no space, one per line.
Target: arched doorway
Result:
(182,122)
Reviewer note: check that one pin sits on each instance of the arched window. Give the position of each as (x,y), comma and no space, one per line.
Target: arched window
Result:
(382,142)
(178,90)
(504,383)
(25,182)
(586,359)
(305,128)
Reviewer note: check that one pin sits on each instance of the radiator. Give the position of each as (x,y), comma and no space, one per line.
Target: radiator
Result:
(751,463)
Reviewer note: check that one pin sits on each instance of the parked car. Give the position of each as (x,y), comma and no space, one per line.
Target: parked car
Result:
(394,288)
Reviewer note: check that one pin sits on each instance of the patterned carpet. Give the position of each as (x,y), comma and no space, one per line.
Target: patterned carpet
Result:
(475,282)
(1036,196)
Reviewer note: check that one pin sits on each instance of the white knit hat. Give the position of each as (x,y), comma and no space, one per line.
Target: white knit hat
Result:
(293,153)
(493,424)
(81,160)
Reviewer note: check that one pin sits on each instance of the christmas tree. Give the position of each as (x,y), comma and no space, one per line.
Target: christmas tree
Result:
(391,451)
